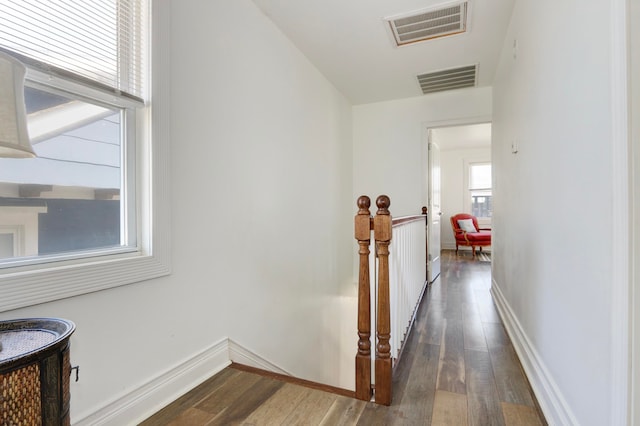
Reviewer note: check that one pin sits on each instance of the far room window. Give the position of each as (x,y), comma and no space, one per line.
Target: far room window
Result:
(85,89)
(480,189)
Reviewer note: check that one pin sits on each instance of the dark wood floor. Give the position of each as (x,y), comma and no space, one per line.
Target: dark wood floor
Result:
(458,368)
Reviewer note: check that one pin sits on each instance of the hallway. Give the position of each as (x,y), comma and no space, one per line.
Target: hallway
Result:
(458,368)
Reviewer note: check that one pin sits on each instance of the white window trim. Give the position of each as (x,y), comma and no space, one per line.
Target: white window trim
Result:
(41,283)
(17,233)
(482,221)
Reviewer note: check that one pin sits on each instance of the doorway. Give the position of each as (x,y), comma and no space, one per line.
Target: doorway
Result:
(454,150)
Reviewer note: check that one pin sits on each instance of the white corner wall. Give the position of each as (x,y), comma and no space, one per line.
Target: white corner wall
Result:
(552,262)
(262,211)
(635,253)
(390,145)
(262,187)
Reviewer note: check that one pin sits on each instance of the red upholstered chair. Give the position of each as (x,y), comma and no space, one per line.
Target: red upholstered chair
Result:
(468,233)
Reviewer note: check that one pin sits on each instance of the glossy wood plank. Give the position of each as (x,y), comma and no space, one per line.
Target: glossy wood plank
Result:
(191,416)
(374,415)
(486,306)
(415,405)
(277,408)
(343,412)
(453,306)
(312,409)
(521,415)
(414,390)
(190,399)
(474,338)
(496,335)
(469,307)
(248,402)
(483,403)
(405,366)
(227,394)
(449,409)
(451,369)
(434,326)
(437,292)
(294,380)
(511,382)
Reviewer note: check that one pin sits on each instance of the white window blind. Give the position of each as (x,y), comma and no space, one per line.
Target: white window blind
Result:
(99,42)
(480,176)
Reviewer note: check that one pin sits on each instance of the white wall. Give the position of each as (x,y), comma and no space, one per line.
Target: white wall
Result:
(262,215)
(453,163)
(262,165)
(389,139)
(552,248)
(635,222)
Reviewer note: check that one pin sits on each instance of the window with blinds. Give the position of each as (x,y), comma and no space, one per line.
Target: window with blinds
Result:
(480,189)
(98,42)
(85,89)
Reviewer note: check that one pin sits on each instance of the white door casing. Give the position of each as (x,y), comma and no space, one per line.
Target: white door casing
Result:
(435,211)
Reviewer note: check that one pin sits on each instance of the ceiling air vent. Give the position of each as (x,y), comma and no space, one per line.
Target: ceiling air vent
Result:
(453,78)
(428,24)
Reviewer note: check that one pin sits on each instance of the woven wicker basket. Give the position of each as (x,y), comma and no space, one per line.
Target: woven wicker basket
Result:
(34,372)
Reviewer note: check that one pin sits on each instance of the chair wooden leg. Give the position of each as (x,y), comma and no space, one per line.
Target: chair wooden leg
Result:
(456,249)
(473,250)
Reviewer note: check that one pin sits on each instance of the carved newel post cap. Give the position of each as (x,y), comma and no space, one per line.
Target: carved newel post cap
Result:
(383,202)
(364,203)
(424,209)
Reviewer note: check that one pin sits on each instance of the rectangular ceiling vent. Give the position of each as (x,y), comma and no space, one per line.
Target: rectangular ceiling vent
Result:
(428,24)
(453,78)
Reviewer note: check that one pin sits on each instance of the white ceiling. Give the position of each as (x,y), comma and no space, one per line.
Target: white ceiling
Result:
(350,43)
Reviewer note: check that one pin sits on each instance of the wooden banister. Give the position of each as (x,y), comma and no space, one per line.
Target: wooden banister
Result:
(397,221)
(382,234)
(425,212)
(411,288)
(363,226)
(382,226)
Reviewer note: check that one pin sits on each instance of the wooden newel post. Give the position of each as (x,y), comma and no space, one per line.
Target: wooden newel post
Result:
(382,235)
(363,358)
(426,244)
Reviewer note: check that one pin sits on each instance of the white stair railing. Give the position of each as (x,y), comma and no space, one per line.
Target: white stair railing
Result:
(407,276)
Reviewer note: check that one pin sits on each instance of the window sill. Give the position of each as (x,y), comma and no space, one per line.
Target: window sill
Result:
(35,285)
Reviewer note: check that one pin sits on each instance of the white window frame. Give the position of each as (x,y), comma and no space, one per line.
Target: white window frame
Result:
(33,284)
(482,221)
(17,236)
(22,223)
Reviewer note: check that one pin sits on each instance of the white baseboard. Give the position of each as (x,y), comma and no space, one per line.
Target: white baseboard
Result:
(552,403)
(139,404)
(242,355)
(135,406)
